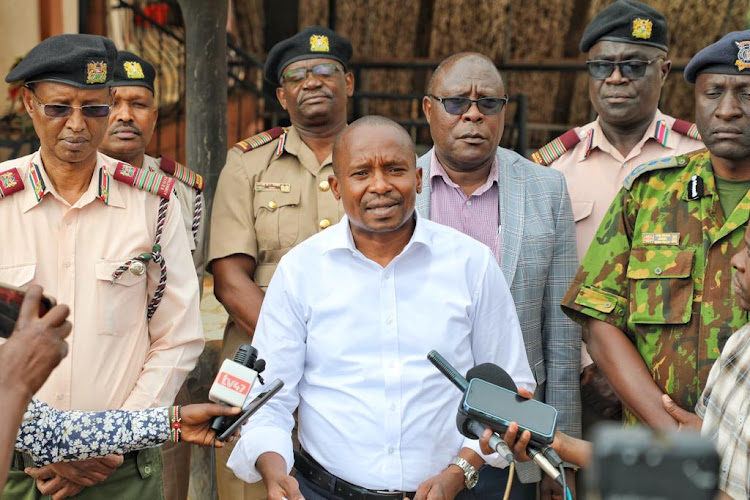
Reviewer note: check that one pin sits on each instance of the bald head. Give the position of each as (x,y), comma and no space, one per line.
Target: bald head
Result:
(458,61)
(365,126)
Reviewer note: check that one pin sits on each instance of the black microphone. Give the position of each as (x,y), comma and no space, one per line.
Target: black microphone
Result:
(466,426)
(543,456)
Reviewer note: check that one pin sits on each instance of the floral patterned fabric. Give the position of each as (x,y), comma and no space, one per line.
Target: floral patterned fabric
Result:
(52,435)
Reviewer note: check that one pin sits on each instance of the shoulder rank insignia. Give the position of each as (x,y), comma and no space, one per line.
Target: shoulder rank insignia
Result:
(10,182)
(258,140)
(181,173)
(662,163)
(555,149)
(144,180)
(686,128)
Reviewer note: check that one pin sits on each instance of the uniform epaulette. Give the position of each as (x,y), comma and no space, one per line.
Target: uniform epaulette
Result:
(10,182)
(556,148)
(258,140)
(662,163)
(181,173)
(686,128)
(144,179)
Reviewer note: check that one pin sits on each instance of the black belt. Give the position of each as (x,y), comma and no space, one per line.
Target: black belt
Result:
(21,460)
(316,474)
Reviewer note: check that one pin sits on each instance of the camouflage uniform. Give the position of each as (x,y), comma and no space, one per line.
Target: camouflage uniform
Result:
(659,270)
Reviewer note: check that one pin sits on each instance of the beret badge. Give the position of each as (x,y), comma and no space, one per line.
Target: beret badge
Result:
(642,28)
(743,55)
(96,72)
(133,70)
(319,43)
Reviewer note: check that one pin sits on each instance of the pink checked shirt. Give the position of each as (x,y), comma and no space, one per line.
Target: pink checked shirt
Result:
(477,215)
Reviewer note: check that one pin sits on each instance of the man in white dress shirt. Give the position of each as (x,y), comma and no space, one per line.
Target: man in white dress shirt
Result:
(347,323)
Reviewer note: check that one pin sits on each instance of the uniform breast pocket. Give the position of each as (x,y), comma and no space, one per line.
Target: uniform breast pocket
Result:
(277,218)
(18,275)
(121,306)
(661,285)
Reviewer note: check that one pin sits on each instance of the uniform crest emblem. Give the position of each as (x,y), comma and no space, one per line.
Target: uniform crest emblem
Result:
(127,170)
(319,43)
(133,70)
(642,28)
(8,180)
(96,72)
(743,55)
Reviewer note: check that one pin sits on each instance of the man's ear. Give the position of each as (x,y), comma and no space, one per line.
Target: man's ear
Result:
(427,107)
(281,96)
(349,80)
(333,182)
(28,101)
(665,67)
(419,180)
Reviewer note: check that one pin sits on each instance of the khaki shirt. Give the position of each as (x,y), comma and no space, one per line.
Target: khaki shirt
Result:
(267,201)
(117,358)
(186,196)
(594,170)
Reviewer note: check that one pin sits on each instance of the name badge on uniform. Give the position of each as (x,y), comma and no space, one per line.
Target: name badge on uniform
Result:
(661,239)
(695,188)
(273,186)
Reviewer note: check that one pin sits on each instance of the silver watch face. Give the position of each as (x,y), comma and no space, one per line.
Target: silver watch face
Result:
(471,479)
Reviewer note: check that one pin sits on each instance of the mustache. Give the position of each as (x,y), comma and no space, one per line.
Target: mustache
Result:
(124,127)
(378,200)
(322,92)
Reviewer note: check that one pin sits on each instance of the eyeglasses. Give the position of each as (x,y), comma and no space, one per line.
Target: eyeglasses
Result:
(323,70)
(460,105)
(632,69)
(63,110)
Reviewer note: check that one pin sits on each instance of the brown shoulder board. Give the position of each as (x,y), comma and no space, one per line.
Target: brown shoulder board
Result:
(556,148)
(10,182)
(181,173)
(258,140)
(686,128)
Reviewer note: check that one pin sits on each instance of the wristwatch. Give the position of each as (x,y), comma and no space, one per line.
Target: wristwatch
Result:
(471,476)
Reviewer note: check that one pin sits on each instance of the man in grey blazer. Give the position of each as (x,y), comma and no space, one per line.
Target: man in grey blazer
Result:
(522,211)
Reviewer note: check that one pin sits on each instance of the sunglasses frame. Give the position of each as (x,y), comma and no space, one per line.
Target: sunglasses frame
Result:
(619,65)
(311,69)
(442,100)
(70,107)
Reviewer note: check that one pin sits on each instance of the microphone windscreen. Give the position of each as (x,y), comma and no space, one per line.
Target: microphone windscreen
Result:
(246,355)
(493,374)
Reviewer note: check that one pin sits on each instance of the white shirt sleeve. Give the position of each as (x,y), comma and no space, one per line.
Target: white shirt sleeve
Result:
(497,338)
(280,340)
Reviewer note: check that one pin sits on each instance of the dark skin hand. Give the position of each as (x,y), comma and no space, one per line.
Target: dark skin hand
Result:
(617,358)
(66,479)
(235,289)
(35,348)
(279,484)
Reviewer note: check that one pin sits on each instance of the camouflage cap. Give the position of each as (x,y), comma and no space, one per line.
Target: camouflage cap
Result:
(83,61)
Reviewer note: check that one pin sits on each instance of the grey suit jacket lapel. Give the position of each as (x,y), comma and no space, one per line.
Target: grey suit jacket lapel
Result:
(512,189)
(423,199)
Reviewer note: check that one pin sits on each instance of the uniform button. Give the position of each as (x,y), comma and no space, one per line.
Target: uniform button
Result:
(681,160)
(147,470)
(66,264)
(273,205)
(324,223)
(324,186)
(137,268)
(608,304)
(657,270)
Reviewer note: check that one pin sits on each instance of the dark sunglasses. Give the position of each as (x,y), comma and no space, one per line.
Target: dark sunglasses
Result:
(632,69)
(63,110)
(323,70)
(460,105)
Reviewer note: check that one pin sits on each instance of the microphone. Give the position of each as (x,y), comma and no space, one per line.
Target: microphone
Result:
(234,381)
(545,457)
(466,426)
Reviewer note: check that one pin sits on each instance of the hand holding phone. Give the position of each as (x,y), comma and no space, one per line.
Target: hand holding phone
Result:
(231,424)
(11,298)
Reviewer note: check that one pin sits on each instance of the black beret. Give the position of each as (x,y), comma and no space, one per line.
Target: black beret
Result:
(83,61)
(728,56)
(133,71)
(627,21)
(311,43)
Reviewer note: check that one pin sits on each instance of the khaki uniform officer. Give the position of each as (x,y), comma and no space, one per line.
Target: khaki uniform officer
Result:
(106,238)
(131,125)
(273,192)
